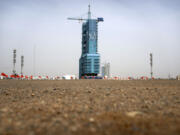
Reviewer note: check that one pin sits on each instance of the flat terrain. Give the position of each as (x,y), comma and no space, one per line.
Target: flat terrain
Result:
(84,107)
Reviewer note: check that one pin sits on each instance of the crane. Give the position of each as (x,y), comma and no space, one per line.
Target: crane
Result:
(100,19)
(79,19)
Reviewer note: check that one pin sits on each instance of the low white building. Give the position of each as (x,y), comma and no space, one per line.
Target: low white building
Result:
(69,77)
(1,77)
(36,78)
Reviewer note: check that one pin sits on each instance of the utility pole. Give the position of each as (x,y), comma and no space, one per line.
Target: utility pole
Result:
(151,64)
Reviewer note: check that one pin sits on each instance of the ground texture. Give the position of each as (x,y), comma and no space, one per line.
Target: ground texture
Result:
(84,107)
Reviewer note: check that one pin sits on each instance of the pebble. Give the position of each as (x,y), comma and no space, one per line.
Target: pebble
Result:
(42,102)
(133,114)
(66,115)
(92,129)
(91,119)
(73,128)
(4,110)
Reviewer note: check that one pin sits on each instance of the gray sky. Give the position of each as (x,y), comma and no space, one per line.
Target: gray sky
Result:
(131,30)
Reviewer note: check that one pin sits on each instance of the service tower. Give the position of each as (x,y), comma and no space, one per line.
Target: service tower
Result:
(89,62)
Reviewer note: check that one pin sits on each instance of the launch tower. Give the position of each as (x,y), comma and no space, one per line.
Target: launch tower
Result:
(89,62)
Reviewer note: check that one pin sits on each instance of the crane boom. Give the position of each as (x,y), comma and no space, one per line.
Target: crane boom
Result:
(100,19)
(79,19)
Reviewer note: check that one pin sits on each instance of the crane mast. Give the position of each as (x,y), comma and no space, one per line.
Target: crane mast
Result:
(89,12)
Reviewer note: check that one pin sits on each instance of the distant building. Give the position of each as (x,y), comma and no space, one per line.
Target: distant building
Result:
(69,77)
(178,77)
(106,70)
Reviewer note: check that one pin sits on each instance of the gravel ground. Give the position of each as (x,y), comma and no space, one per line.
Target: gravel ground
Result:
(84,107)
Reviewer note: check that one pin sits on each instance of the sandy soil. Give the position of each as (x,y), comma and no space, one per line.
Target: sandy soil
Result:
(84,107)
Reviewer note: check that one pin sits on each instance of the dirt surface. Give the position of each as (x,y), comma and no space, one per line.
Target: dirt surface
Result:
(84,107)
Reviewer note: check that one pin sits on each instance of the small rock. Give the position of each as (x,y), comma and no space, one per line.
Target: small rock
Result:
(45,91)
(18,123)
(145,106)
(4,110)
(55,106)
(73,128)
(86,107)
(133,114)
(32,94)
(92,129)
(42,102)
(107,94)
(122,103)
(66,115)
(115,105)
(9,120)
(89,91)
(91,119)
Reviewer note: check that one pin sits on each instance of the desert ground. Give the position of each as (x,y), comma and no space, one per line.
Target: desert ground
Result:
(84,107)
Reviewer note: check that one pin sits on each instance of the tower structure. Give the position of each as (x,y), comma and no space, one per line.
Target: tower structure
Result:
(151,64)
(106,70)
(14,61)
(22,64)
(89,62)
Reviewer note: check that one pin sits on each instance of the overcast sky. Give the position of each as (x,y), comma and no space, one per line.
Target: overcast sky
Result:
(131,30)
